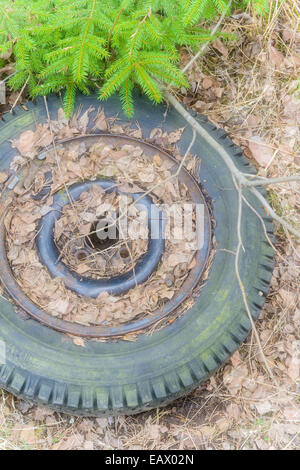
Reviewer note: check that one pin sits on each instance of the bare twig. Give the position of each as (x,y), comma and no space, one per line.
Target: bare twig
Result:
(273,214)
(239,176)
(148,14)
(56,155)
(264,227)
(203,48)
(150,190)
(267,181)
(19,95)
(241,285)
(206,135)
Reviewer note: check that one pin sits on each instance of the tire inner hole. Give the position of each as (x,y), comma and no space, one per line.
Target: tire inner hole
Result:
(103,234)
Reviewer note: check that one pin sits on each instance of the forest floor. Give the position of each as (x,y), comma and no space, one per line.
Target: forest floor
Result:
(250,88)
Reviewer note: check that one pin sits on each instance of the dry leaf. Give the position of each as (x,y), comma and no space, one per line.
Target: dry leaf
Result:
(218,91)
(83,268)
(154,431)
(100,121)
(175,136)
(61,117)
(146,176)
(45,210)
(26,142)
(234,377)
(78,341)
(264,407)
(177,258)
(27,435)
(220,46)
(84,121)
(291,107)
(59,306)
(236,359)
(276,57)
(157,160)
(3,177)
(207,83)
(156,132)
(262,153)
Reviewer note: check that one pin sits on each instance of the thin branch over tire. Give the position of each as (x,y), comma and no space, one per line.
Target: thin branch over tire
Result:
(236,173)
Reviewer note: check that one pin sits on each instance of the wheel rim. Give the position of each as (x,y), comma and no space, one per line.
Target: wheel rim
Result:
(45,240)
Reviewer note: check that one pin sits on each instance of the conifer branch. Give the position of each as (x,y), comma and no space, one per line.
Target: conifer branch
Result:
(134,35)
(113,26)
(114,45)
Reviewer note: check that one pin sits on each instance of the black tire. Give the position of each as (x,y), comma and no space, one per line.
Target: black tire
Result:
(122,377)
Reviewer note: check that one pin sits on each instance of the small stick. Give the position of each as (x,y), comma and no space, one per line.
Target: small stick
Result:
(19,95)
(56,156)
(267,181)
(240,178)
(202,49)
(242,288)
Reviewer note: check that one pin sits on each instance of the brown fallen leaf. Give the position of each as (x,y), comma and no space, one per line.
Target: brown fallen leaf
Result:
(223,424)
(146,176)
(175,136)
(44,135)
(264,407)
(289,33)
(59,306)
(291,108)
(78,341)
(166,293)
(40,413)
(27,435)
(83,121)
(294,367)
(129,163)
(3,177)
(83,268)
(100,121)
(218,91)
(85,229)
(253,120)
(157,160)
(276,57)
(156,132)
(234,377)
(137,133)
(220,46)
(177,258)
(207,83)
(61,117)
(26,142)
(293,61)
(236,359)
(260,150)
(233,411)
(45,210)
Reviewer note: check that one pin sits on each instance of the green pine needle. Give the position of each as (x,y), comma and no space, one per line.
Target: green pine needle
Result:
(113,45)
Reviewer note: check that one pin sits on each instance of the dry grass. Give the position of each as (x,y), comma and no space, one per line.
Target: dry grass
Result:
(254,93)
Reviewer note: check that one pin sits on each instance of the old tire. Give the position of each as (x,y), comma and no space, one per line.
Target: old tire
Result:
(125,377)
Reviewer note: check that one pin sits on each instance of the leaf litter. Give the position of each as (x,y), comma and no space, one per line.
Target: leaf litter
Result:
(133,171)
(256,415)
